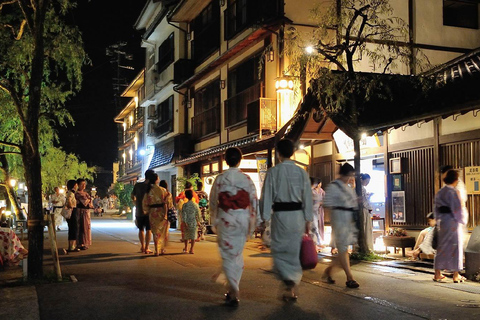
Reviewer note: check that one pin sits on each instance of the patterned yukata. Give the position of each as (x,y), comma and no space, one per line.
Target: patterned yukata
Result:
(318,216)
(287,183)
(84,204)
(233,210)
(339,197)
(191,218)
(58,202)
(157,215)
(11,249)
(449,217)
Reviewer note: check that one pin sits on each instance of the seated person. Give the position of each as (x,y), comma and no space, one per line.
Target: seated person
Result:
(11,249)
(424,240)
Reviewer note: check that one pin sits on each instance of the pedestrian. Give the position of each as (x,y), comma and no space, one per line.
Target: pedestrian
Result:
(141,219)
(180,200)
(317,227)
(449,217)
(71,203)
(57,201)
(155,209)
(191,220)
(341,201)
(287,192)
(233,209)
(367,211)
(203,204)
(168,198)
(84,204)
(105,204)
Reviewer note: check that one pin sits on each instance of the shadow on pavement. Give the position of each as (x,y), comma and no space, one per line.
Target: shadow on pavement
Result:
(98,258)
(292,311)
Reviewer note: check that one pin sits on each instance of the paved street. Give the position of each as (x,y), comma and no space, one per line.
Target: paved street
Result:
(117,282)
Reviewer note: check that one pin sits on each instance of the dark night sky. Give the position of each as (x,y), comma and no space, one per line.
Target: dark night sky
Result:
(102,23)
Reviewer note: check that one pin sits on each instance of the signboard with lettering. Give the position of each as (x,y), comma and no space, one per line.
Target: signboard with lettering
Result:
(472,180)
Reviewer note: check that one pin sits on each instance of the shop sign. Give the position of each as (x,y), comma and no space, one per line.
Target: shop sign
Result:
(472,180)
(262,169)
(398,206)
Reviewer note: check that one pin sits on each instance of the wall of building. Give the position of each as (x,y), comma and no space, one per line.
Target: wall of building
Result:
(411,133)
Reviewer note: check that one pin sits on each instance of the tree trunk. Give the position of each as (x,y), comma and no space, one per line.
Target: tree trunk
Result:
(30,152)
(362,241)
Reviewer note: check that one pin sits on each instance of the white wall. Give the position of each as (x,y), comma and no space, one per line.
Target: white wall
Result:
(411,133)
(463,123)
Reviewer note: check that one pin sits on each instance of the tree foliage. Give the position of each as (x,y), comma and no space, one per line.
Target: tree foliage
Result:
(123,192)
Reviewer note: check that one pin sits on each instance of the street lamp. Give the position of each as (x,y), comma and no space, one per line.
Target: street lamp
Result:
(284,86)
(13,183)
(309,50)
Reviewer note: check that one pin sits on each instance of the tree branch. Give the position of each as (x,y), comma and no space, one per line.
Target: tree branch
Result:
(9,152)
(18,105)
(20,32)
(359,33)
(27,10)
(7,3)
(331,59)
(9,144)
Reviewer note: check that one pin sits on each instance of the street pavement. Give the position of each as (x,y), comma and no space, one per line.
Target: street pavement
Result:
(115,281)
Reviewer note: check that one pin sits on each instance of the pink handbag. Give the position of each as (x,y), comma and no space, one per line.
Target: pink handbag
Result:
(308,253)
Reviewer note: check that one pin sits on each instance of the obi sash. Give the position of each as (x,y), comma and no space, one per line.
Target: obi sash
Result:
(239,201)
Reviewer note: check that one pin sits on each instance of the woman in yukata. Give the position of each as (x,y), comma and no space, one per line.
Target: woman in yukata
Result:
(191,219)
(367,211)
(233,209)
(449,217)
(154,206)
(84,204)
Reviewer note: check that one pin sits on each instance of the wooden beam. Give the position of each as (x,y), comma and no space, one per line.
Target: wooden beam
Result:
(317,136)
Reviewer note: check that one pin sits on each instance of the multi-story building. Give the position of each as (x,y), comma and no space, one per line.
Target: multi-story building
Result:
(131,132)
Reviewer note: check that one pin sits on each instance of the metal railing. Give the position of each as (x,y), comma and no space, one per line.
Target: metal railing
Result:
(206,122)
(236,106)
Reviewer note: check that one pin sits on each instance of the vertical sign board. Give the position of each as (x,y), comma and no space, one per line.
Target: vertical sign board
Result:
(398,206)
(472,180)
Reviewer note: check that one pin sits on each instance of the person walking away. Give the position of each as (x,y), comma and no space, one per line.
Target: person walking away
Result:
(168,198)
(84,204)
(58,201)
(191,220)
(155,208)
(203,204)
(449,217)
(317,199)
(287,192)
(72,222)
(180,200)
(341,201)
(141,219)
(233,209)
(367,211)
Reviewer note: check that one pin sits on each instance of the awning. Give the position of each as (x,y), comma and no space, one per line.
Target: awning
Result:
(163,154)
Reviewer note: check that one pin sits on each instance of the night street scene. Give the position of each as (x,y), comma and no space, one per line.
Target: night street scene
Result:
(239,159)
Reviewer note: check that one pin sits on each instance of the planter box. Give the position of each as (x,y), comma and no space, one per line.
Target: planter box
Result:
(399,242)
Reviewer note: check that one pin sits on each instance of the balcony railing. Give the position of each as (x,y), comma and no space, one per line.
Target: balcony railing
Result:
(205,42)
(206,122)
(164,128)
(236,106)
(241,14)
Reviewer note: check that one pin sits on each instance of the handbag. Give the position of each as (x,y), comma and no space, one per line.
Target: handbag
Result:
(308,253)
(66,212)
(172,215)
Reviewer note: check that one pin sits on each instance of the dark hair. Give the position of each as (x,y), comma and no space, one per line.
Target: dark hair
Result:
(285,148)
(233,156)
(164,184)
(189,194)
(199,185)
(346,169)
(313,181)
(364,176)
(445,168)
(71,184)
(430,216)
(319,180)
(152,178)
(188,185)
(451,177)
(149,171)
(80,180)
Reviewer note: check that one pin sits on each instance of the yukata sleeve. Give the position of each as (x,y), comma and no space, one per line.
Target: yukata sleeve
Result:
(307,198)
(254,216)
(146,203)
(456,206)
(266,199)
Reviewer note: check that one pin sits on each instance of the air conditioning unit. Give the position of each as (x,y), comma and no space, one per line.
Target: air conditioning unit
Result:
(152,111)
(151,129)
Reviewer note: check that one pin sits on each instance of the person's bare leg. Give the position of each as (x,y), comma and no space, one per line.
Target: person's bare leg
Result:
(186,244)
(155,243)
(438,274)
(148,236)
(192,243)
(344,260)
(141,237)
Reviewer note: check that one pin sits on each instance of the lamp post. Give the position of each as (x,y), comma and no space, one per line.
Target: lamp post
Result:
(284,86)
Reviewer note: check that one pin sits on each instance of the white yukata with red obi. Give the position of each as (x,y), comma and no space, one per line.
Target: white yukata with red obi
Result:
(233,210)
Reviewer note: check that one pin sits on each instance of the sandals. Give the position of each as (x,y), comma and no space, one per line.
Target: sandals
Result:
(148,251)
(461,279)
(326,278)
(352,284)
(441,280)
(184,251)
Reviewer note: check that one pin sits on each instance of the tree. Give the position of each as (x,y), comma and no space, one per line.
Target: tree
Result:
(347,33)
(40,67)
(58,167)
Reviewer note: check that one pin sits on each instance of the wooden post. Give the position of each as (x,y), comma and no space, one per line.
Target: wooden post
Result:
(53,246)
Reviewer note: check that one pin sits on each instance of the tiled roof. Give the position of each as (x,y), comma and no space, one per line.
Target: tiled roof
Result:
(163,154)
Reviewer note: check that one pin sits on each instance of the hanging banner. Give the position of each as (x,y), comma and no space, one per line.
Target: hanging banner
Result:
(262,169)
(472,180)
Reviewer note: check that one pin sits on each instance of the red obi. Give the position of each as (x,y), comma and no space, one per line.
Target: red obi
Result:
(239,201)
